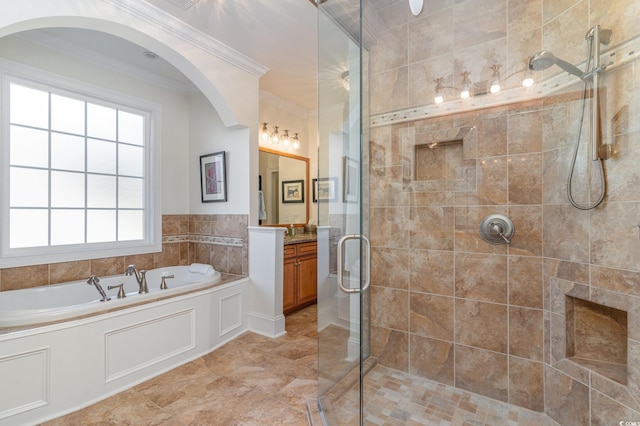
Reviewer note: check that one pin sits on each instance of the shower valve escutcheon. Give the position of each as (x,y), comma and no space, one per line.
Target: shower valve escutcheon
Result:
(497,229)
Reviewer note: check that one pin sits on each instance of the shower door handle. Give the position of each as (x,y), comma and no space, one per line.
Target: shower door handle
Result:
(367,281)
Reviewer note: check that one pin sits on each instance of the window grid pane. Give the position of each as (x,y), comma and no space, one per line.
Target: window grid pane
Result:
(77,172)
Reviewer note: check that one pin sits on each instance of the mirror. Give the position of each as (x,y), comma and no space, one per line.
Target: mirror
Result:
(284,185)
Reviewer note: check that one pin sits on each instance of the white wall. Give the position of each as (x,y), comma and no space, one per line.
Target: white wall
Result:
(208,135)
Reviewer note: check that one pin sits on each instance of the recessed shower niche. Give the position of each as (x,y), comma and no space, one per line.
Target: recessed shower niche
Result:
(439,160)
(436,159)
(597,338)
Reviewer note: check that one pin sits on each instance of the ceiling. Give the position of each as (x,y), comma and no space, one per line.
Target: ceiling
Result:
(280,34)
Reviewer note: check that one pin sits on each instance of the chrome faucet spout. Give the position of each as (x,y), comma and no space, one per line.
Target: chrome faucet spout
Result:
(95,281)
(141,278)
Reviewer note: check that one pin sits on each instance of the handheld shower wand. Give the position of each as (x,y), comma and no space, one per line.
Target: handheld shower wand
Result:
(591,78)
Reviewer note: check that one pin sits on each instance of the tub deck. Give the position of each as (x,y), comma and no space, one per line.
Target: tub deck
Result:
(153,297)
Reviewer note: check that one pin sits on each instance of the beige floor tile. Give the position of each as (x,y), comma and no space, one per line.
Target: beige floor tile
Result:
(255,380)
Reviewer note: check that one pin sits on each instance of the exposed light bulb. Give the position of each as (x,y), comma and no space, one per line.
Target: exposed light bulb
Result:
(296,142)
(275,137)
(265,132)
(439,98)
(285,138)
(527,81)
(465,93)
(495,79)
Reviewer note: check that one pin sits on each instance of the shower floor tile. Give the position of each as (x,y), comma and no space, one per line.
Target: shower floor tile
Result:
(255,380)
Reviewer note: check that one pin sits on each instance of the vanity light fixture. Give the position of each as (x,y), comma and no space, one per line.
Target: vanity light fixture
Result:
(276,138)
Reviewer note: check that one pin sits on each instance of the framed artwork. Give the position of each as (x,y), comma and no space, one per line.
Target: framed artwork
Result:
(324,189)
(213,177)
(293,191)
(351,180)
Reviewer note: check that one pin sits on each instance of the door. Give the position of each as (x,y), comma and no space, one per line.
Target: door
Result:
(343,297)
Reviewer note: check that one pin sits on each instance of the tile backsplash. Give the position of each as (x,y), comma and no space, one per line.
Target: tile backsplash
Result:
(219,240)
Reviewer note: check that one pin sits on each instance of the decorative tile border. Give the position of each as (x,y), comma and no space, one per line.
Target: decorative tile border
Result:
(206,239)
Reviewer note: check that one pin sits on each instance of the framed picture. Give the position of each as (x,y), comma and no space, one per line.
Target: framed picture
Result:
(351,180)
(213,177)
(324,189)
(293,191)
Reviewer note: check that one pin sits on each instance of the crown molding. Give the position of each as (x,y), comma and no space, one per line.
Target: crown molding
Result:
(172,25)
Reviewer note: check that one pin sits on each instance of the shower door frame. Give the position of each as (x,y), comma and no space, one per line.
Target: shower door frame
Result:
(344,277)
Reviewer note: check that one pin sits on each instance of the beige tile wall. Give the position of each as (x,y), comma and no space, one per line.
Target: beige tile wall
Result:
(228,259)
(445,304)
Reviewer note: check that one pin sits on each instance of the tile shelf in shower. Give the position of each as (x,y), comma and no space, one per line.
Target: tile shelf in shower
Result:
(596,338)
(615,372)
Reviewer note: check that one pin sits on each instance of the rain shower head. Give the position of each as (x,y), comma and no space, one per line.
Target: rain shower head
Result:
(545,59)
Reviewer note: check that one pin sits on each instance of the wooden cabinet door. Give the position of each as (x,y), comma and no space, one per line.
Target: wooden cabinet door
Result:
(307,279)
(289,278)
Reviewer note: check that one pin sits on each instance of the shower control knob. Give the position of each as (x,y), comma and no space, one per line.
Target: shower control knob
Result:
(496,229)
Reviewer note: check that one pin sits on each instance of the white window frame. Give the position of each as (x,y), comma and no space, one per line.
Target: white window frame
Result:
(37,78)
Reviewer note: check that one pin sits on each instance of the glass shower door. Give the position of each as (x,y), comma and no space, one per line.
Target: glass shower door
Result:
(343,247)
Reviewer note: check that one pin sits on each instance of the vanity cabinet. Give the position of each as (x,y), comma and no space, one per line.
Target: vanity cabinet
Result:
(300,276)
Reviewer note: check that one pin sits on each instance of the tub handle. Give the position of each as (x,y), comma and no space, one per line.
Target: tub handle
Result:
(121,293)
(163,284)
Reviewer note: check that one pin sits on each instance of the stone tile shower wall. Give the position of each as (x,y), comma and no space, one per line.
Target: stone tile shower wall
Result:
(219,240)
(491,319)
(445,304)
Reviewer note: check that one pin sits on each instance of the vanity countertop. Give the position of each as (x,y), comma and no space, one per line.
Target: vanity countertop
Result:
(300,238)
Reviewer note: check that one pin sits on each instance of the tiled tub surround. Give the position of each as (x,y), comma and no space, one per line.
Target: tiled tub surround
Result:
(218,240)
(450,307)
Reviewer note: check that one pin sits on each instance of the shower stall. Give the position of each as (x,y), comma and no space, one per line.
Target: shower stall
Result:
(431,119)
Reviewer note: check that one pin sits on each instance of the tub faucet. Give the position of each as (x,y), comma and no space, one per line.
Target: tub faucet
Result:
(141,277)
(95,281)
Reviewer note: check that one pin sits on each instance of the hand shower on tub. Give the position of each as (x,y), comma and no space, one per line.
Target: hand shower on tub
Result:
(545,59)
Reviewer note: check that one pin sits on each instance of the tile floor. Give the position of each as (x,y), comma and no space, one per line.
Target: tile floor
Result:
(255,380)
